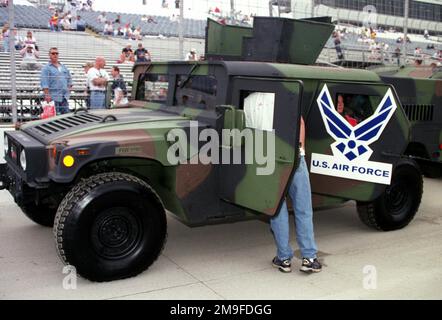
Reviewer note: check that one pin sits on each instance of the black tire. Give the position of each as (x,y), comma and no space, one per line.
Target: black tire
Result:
(110,226)
(41,214)
(432,171)
(398,205)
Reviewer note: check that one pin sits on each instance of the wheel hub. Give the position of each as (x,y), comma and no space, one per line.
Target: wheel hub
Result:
(116,232)
(397,198)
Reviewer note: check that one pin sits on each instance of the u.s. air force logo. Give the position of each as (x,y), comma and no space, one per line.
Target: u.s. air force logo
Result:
(351,151)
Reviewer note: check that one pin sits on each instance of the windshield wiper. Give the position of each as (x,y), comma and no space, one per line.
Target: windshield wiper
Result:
(189,75)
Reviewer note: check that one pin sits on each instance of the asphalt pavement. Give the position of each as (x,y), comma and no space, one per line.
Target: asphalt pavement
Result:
(233,261)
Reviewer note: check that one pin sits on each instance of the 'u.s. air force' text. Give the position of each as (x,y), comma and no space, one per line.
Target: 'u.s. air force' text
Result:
(369,171)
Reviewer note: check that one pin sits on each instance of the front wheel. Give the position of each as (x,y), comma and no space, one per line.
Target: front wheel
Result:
(397,206)
(110,226)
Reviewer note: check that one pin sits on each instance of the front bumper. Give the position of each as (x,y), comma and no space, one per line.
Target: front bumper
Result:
(23,185)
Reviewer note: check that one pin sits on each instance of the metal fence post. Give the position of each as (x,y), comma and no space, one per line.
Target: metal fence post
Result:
(12,56)
(404,43)
(181,31)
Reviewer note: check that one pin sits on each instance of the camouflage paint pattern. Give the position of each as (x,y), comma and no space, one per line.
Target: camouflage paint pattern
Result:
(134,139)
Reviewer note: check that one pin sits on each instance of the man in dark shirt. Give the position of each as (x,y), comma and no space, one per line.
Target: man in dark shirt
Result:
(142,54)
(118,87)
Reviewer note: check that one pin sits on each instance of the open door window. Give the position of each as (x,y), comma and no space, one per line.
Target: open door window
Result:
(266,152)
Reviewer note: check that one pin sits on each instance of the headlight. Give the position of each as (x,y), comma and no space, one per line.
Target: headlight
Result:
(23,160)
(6,145)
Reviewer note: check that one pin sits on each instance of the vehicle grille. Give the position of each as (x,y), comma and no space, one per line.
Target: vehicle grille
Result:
(419,112)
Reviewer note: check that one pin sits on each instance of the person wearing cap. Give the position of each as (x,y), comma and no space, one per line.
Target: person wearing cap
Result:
(191,56)
(30,58)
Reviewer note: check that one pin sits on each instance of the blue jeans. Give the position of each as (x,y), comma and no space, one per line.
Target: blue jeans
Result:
(300,193)
(62,107)
(98,100)
(6,44)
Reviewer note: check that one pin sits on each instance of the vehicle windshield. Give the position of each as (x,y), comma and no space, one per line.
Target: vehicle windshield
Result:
(195,91)
(153,87)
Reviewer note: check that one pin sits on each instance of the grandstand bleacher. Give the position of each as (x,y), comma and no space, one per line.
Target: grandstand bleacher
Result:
(38,18)
(160,38)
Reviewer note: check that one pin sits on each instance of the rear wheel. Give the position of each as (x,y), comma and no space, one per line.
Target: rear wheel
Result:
(433,171)
(110,226)
(397,206)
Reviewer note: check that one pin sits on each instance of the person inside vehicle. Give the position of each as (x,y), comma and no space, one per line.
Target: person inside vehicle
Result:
(348,115)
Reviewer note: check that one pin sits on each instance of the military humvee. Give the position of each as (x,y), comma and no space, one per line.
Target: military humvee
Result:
(104,179)
(420,90)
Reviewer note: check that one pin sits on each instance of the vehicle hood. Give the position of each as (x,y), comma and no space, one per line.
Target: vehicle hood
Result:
(102,125)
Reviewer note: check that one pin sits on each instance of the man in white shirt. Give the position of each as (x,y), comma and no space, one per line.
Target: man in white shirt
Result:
(191,55)
(97,81)
(102,18)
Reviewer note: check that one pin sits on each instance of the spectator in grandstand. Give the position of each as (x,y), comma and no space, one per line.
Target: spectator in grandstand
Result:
(30,40)
(5,36)
(127,55)
(30,58)
(79,24)
(73,6)
(97,81)
(397,55)
(86,67)
(4,3)
(150,19)
(372,34)
(119,87)
(65,23)
(337,43)
(102,18)
(127,31)
(117,20)
(19,42)
(56,82)
(118,32)
(418,55)
(426,34)
(347,114)
(191,55)
(108,29)
(136,35)
(142,54)
(430,46)
(54,21)
(385,52)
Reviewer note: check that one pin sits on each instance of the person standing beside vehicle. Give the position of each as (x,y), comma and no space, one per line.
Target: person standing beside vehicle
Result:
(300,194)
(97,80)
(56,82)
(119,88)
